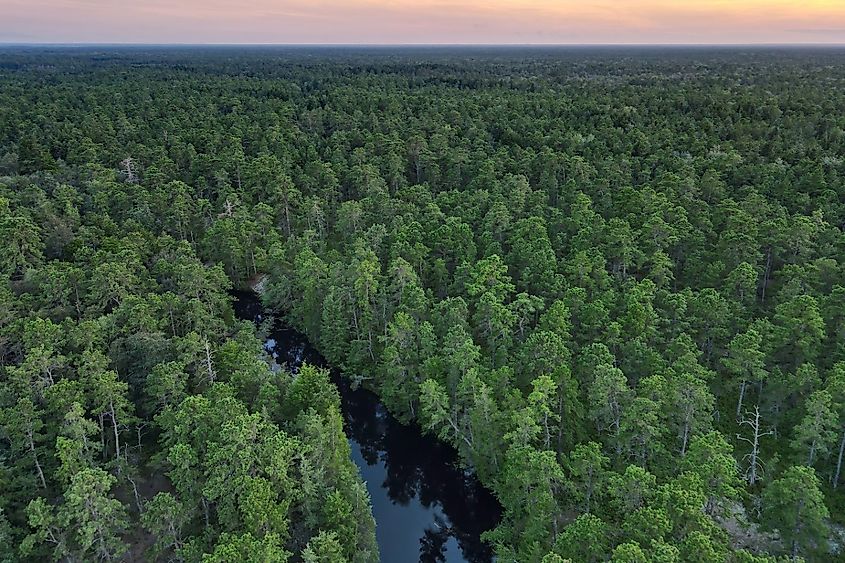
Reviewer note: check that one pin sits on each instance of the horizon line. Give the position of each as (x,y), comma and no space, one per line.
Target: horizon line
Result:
(432,44)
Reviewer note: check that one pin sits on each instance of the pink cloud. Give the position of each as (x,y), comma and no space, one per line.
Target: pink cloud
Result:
(423,21)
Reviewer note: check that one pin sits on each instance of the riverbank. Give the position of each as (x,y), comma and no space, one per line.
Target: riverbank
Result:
(426,506)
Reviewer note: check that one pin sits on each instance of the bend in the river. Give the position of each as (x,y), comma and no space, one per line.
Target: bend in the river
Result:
(427,508)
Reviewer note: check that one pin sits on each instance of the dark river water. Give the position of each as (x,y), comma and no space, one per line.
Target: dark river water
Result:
(426,507)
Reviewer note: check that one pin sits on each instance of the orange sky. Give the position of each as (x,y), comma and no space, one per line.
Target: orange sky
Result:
(423,21)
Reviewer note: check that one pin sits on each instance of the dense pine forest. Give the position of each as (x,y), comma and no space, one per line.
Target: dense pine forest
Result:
(613,280)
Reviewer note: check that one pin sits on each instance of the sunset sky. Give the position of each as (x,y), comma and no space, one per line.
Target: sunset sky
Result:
(422,21)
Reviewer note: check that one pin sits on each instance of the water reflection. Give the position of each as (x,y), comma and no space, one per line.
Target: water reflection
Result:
(426,507)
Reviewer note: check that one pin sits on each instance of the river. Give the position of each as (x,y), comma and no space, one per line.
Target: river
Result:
(427,508)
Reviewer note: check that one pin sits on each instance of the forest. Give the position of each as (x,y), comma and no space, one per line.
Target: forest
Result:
(612,279)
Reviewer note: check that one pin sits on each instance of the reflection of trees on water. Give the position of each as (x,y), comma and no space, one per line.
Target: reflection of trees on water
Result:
(421,467)
(416,466)
(433,542)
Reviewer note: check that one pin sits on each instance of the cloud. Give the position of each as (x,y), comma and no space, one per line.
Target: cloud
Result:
(831,31)
(424,21)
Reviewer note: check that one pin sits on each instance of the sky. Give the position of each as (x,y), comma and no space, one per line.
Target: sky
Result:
(423,21)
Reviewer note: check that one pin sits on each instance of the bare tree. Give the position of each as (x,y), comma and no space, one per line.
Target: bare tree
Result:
(208,363)
(30,441)
(838,472)
(755,468)
(229,209)
(128,165)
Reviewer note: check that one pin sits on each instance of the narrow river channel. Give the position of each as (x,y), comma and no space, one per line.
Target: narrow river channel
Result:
(426,507)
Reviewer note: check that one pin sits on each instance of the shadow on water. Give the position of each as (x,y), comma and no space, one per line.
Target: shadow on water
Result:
(427,508)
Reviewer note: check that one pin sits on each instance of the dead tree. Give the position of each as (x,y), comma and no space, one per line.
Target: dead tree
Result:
(128,165)
(228,211)
(209,365)
(835,481)
(755,468)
